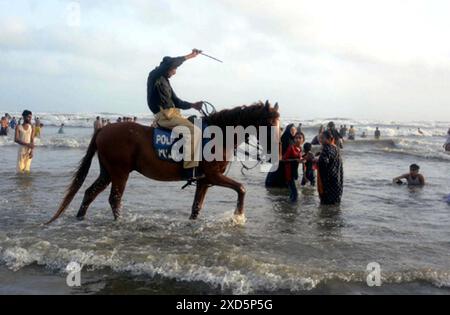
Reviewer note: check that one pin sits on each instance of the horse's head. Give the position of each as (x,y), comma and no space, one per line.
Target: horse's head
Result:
(260,115)
(269,118)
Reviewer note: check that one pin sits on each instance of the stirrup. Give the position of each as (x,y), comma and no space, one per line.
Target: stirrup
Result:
(192,178)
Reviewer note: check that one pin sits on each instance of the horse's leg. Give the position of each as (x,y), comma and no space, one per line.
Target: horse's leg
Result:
(92,192)
(200,194)
(221,180)
(115,197)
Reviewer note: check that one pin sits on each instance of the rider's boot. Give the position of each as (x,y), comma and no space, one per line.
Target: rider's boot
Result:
(192,174)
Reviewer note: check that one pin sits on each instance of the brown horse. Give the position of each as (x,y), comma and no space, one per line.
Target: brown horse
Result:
(126,147)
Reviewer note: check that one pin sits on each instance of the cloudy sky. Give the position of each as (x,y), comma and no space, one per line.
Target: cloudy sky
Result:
(348,58)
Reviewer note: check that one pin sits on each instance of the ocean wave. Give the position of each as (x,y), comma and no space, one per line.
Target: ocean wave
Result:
(57,141)
(83,120)
(237,272)
(387,128)
(418,148)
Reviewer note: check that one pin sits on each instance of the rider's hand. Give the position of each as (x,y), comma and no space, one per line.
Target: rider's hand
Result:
(198,105)
(195,52)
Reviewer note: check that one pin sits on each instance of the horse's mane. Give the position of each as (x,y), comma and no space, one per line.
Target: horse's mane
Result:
(246,115)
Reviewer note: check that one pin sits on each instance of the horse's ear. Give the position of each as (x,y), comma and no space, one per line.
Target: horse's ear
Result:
(267,104)
(276,107)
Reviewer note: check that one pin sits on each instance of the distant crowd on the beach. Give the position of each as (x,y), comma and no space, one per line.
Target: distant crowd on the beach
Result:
(26,131)
(100,122)
(8,124)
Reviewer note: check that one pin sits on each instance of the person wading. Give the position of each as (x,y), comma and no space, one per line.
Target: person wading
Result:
(165,104)
(330,173)
(24,136)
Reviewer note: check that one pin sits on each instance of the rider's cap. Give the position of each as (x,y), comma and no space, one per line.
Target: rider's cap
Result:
(172,62)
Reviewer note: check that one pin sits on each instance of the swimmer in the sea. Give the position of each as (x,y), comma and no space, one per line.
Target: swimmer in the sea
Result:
(413,178)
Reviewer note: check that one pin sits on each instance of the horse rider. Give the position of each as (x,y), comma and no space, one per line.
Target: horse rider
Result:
(166,105)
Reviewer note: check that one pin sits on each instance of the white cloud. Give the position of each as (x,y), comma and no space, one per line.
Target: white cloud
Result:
(318,58)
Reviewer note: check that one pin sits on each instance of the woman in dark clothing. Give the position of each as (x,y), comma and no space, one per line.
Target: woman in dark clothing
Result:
(287,138)
(330,173)
(277,178)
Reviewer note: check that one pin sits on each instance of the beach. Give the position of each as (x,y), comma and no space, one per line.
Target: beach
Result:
(282,248)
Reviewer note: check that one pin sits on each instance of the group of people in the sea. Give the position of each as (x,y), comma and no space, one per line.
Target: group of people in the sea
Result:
(25,133)
(327,162)
(7,123)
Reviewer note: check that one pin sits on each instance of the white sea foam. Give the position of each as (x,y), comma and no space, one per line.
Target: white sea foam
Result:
(238,273)
(53,141)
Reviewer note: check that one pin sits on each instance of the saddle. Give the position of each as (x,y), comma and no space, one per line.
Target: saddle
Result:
(163,141)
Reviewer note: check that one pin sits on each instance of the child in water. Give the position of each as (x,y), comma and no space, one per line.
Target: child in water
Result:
(308,165)
(293,156)
(413,178)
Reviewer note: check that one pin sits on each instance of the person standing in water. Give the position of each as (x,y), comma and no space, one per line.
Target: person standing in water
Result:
(447,141)
(377,134)
(37,130)
(4,123)
(413,178)
(97,124)
(277,178)
(351,133)
(24,136)
(316,139)
(13,123)
(308,165)
(337,137)
(293,157)
(330,172)
(61,129)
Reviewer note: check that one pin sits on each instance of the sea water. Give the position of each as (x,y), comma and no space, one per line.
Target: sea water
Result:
(280,248)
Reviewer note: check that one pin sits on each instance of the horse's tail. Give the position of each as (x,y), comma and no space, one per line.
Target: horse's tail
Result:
(78,177)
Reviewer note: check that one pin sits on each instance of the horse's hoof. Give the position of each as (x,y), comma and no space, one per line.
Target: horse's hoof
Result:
(239,218)
(193,217)
(80,218)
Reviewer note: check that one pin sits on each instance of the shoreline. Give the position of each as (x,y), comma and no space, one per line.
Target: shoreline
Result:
(37,280)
